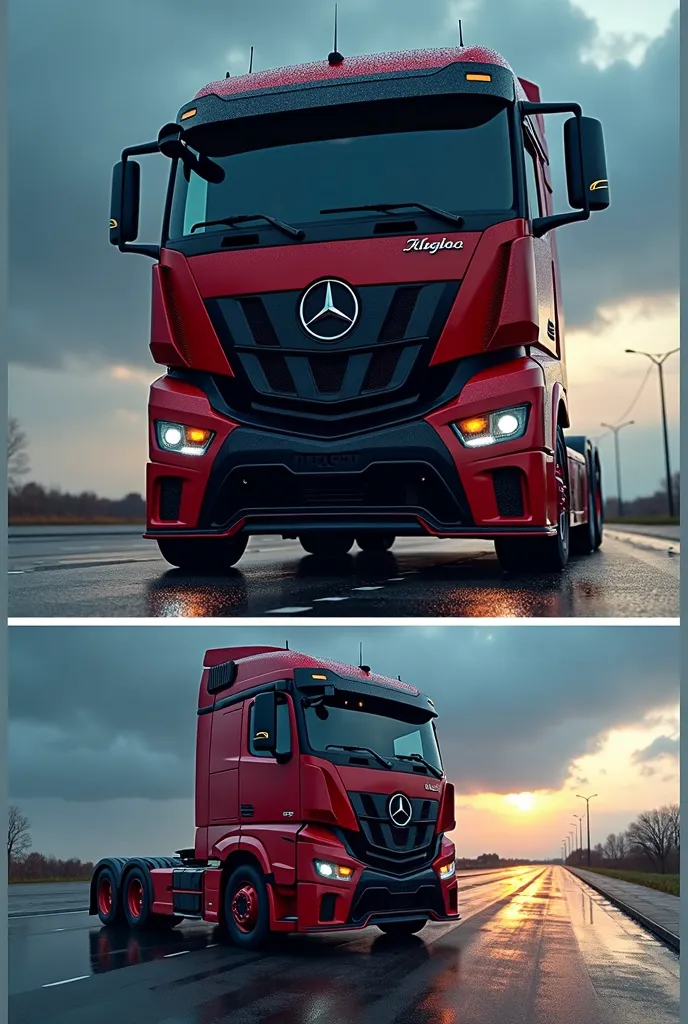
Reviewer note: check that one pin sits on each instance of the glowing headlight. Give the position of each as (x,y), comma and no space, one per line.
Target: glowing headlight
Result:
(328,870)
(448,870)
(502,425)
(176,437)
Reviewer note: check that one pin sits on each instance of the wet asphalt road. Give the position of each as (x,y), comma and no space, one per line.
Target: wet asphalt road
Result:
(535,946)
(114,573)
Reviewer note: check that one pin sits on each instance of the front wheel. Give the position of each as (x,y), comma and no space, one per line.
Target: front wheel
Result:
(399,929)
(543,554)
(375,543)
(212,555)
(247,913)
(327,544)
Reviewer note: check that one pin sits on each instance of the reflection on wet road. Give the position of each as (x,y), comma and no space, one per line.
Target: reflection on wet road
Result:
(91,574)
(534,945)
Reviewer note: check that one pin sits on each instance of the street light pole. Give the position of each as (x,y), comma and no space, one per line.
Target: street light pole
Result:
(617,458)
(575,837)
(579,819)
(659,358)
(587,811)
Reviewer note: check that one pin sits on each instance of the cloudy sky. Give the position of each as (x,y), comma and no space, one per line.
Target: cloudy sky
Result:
(88,79)
(103,719)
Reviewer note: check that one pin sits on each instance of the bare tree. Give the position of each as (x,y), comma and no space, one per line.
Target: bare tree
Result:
(610,847)
(652,833)
(675,825)
(17,454)
(621,845)
(18,838)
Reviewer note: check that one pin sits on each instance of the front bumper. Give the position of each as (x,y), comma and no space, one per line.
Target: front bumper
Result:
(410,479)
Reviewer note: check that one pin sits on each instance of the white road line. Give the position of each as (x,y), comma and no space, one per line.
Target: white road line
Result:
(15,572)
(52,984)
(395,579)
(330,599)
(287,611)
(181,953)
(369,588)
(44,913)
(59,929)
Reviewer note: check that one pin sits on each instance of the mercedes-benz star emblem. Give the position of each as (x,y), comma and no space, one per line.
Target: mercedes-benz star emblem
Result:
(400,810)
(328,310)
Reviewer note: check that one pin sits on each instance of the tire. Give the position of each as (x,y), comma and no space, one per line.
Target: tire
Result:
(246,908)
(543,554)
(205,556)
(136,900)
(108,898)
(400,929)
(375,543)
(327,544)
(583,536)
(599,502)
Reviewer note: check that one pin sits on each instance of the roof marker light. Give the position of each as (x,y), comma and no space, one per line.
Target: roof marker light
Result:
(478,78)
(188,113)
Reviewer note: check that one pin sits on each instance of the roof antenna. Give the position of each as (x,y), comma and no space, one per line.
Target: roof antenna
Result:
(360,654)
(460,34)
(335,57)
(287,646)
(227,75)
(250,62)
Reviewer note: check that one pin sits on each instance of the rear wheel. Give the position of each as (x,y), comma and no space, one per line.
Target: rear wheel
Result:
(398,929)
(108,899)
(213,555)
(247,914)
(583,536)
(327,544)
(136,899)
(599,502)
(543,554)
(375,543)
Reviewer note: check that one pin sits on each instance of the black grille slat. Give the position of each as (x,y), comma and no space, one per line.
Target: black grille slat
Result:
(170,498)
(399,313)
(381,370)
(328,371)
(276,371)
(508,491)
(259,322)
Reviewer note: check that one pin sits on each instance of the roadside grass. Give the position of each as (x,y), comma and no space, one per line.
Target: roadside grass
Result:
(664,883)
(643,520)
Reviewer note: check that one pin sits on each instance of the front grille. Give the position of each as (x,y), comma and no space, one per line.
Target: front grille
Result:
(379,373)
(508,491)
(382,901)
(380,844)
(379,488)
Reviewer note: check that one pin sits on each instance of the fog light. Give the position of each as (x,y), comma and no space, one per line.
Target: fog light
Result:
(502,425)
(176,437)
(448,870)
(328,870)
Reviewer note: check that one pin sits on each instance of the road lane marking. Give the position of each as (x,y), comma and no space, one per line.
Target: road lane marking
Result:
(330,599)
(52,984)
(288,611)
(43,913)
(369,588)
(181,953)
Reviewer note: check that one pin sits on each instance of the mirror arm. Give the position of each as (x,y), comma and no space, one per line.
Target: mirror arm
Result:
(541,225)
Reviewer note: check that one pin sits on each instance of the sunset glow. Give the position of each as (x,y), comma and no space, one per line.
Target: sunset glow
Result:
(521,801)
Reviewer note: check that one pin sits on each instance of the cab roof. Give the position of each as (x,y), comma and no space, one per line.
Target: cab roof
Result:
(358,66)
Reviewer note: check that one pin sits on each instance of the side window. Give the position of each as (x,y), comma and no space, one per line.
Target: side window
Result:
(283,730)
(534,206)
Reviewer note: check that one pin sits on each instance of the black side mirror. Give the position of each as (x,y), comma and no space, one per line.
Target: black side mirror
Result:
(170,144)
(586,164)
(125,201)
(265,722)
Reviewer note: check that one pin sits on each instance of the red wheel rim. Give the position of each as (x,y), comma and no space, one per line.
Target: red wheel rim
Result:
(562,498)
(105,896)
(245,908)
(135,897)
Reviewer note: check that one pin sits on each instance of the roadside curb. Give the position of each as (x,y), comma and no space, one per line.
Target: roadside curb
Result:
(658,930)
(644,540)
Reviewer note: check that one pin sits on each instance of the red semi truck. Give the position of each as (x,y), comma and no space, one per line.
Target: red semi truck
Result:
(321,805)
(358,302)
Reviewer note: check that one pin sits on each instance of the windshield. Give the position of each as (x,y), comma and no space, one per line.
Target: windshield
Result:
(451,152)
(392,730)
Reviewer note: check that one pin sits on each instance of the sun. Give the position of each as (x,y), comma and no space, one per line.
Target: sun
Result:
(521,801)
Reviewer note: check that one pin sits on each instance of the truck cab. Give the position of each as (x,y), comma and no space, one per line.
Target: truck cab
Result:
(321,804)
(357,300)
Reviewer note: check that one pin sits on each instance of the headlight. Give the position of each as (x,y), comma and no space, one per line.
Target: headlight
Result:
(502,425)
(448,871)
(176,437)
(328,870)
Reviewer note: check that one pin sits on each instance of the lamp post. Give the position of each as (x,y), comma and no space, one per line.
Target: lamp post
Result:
(579,819)
(587,811)
(575,838)
(617,458)
(659,358)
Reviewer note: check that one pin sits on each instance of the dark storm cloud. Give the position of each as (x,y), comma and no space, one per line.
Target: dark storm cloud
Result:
(87,79)
(99,713)
(662,746)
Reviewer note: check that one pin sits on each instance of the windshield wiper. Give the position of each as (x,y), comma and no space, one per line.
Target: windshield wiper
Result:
(420,760)
(451,218)
(286,229)
(378,757)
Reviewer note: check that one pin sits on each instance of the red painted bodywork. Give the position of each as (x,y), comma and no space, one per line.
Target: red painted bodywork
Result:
(313,789)
(509,295)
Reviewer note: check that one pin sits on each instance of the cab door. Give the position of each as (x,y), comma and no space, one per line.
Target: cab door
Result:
(269,791)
